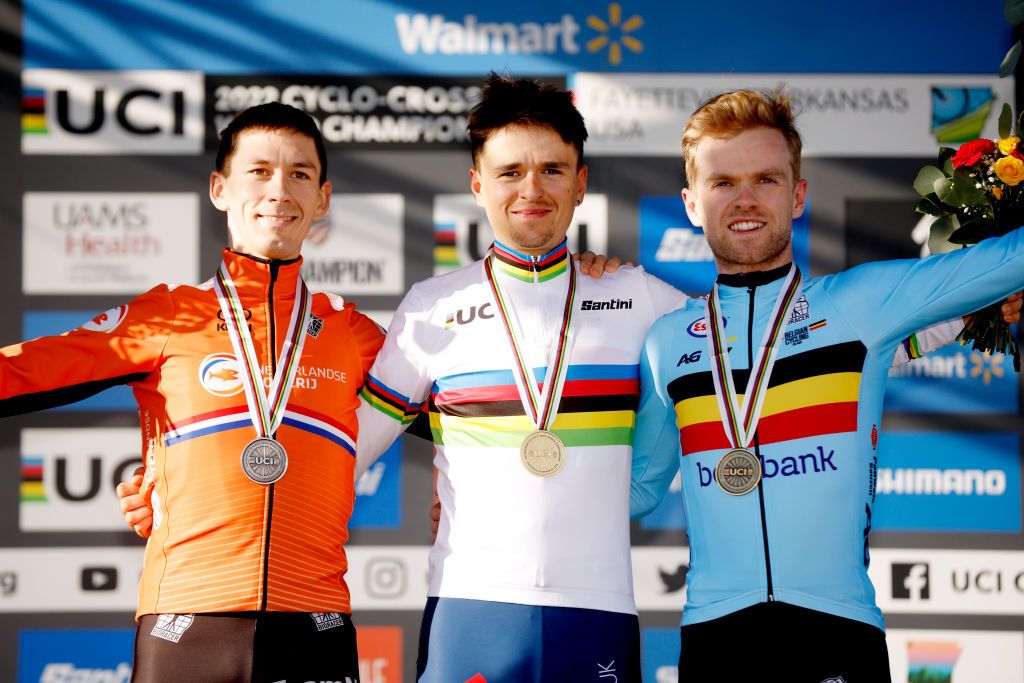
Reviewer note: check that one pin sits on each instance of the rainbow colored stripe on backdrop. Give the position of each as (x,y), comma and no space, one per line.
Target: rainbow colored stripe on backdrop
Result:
(33,111)
(445,253)
(32,490)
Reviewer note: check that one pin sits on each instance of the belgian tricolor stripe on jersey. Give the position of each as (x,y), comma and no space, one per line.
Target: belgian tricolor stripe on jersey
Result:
(552,264)
(483,409)
(809,394)
(388,401)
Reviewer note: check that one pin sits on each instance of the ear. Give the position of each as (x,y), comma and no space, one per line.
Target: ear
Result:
(475,186)
(799,197)
(217,191)
(692,207)
(581,183)
(323,203)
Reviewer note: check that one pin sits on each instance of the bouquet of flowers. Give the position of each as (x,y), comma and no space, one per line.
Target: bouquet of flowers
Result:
(977,192)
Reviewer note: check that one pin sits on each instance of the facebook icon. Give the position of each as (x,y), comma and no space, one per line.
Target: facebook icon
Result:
(910,581)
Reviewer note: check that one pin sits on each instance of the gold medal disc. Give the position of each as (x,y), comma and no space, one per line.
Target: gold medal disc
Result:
(542,453)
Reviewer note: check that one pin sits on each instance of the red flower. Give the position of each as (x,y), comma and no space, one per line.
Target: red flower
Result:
(971,152)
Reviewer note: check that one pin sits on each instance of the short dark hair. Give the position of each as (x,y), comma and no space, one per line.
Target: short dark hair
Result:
(507,102)
(270,117)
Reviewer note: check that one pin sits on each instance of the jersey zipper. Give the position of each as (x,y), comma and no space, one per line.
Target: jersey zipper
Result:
(757,451)
(272,325)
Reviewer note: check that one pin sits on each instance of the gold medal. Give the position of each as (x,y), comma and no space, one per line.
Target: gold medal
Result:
(738,472)
(542,453)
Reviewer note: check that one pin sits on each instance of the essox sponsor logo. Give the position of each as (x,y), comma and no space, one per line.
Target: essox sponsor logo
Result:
(698,328)
(219,374)
(107,321)
(111,112)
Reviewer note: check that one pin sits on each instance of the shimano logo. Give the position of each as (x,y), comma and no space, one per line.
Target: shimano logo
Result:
(683,244)
(65,672)
(611,305)
(790,466)
(935,482)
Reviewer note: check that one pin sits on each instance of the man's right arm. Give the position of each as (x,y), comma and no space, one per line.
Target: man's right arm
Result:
(656,439)
(398,383)
(120,346)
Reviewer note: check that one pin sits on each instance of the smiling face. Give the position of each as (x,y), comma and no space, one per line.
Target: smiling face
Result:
(529,182)
(270,188)
(745,197)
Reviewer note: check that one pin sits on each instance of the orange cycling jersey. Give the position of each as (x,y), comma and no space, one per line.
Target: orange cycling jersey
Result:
(222,543)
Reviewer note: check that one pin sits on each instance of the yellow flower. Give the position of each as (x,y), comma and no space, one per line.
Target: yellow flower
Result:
(1010,170)
(1007,145)
(997,192)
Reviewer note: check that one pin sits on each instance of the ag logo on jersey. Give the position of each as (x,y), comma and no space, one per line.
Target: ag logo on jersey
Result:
(107,321)
(219,374)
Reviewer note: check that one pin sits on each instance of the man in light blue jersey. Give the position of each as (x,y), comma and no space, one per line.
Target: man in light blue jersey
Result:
(778,408)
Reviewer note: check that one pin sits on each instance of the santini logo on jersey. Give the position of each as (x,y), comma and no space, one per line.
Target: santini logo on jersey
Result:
(610,305)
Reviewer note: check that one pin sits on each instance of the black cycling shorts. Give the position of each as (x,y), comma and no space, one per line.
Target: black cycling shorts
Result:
(780,642)
(246,647)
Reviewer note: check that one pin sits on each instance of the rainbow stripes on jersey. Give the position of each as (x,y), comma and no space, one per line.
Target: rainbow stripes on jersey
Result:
(238,417)
(530,269)
(394,404)
(809,394)
(483,409)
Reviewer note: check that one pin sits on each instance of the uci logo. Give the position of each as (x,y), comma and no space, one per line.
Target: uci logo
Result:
(219,374)
(115,112)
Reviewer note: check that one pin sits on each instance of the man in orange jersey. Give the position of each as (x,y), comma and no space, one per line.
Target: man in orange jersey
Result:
(237,585)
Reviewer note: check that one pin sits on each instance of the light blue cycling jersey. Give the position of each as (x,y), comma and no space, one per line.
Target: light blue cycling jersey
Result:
(800,537)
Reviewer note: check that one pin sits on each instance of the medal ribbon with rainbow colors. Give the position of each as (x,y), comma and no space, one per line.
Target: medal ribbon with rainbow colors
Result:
(542,452)
(264,460)
(739,471)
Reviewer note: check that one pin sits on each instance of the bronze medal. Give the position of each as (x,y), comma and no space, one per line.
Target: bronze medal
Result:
(542,453)
(264,460)
(738,472)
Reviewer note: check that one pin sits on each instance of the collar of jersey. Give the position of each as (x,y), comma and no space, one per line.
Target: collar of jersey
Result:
(754,278)
(531,268)
(252,275)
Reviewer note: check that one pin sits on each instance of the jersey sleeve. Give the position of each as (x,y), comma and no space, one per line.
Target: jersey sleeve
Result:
(664,297)
(885,302)
(120,346)
(656,439)
(927,340)
(398,383)
(369,337)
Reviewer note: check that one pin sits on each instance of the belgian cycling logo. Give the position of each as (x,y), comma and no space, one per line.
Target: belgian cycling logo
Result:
(171,626)
(107,321)
(219,375)
(959,113)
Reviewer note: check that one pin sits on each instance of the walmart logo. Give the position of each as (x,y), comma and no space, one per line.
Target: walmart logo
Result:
(614,34)
(987,366)
(436,34)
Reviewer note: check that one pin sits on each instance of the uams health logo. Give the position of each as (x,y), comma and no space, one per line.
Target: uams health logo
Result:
(437,34)
(111,112)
